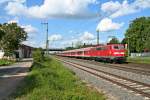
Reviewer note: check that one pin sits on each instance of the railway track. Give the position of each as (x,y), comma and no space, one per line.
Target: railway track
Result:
(139,88)
(134,69)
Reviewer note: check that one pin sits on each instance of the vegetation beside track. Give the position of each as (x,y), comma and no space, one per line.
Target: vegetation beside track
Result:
(4,62)
(50,80)
(144,60)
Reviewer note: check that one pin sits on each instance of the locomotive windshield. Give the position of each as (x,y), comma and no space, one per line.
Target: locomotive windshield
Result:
(118,47)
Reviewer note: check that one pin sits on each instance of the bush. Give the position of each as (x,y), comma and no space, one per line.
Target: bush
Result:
(38,55)
(4,62)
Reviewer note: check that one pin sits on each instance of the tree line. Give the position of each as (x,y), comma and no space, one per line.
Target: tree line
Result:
(137,35)
(11,35)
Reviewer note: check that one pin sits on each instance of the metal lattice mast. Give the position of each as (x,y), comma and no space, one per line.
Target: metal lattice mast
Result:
(46,23)
(97,37)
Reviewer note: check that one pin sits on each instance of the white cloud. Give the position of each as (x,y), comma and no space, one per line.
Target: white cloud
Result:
(106,24)
(142,3)
(110,6)
(15,20)
(120,9)
(55,37)
(30,43)
(69,42)
(30,29)
(54,9)
(19,1)
(34,43)
(27,28)
(87,36)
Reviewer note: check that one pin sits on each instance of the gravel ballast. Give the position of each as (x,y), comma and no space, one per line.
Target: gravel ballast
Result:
(114,92)
(129,75)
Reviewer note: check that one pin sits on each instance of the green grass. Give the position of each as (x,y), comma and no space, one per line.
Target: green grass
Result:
(5,62)
(145,60)
(50,80)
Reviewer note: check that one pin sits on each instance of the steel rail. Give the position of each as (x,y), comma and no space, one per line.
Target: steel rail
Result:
(129,87)
(120,67)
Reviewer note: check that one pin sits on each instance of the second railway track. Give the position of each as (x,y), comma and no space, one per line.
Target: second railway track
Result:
(138,87)
(134,69)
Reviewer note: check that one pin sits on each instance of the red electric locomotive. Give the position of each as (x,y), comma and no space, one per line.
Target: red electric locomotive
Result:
(110,53)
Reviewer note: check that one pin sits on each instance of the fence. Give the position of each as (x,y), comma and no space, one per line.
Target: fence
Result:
(145,54)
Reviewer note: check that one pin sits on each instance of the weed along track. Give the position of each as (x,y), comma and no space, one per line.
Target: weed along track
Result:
(138,88)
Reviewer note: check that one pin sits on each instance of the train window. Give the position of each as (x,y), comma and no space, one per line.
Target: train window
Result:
(119,47)
(80,52)
(103,48)
(71,53)
(116,47)
(99,48)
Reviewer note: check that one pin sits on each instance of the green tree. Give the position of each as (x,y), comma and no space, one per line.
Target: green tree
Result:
(38,55)
(147,44)
(14,35)
(2,33)
(124,41)
(138,34)
(69,48)
(114,41)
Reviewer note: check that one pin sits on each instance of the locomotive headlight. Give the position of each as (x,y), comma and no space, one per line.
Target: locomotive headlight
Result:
(116,52)
(122,53)
(119,53)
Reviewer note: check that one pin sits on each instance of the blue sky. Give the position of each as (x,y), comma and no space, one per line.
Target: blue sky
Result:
(71,21)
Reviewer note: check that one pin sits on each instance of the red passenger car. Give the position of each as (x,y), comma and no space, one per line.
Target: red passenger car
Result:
(110,53)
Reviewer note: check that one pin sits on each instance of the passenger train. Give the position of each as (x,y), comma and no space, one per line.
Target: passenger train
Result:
(107,53)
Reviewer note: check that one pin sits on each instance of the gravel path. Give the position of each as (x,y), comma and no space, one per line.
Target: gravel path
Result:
(11,76)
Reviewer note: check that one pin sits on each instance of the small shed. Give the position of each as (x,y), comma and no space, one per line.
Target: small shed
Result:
(25,51)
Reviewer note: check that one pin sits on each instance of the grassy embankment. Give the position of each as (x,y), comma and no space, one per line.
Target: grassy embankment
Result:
(4,62)
(50,80)
(145,60)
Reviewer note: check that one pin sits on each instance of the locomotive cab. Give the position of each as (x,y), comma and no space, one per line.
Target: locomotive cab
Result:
(118,53)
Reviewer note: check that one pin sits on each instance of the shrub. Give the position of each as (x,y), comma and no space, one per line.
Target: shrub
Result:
(38,55)
(4,62)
